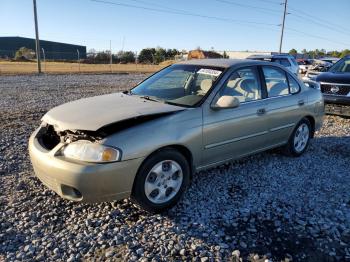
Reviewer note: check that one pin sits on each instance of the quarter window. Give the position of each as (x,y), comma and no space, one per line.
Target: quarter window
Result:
(293,85)
(276,81)
(243,84)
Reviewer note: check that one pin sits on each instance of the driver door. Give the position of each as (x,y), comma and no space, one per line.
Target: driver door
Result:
(234,132)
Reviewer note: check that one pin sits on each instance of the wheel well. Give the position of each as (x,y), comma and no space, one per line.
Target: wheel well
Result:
(182,149)
(185,152)
(312,122)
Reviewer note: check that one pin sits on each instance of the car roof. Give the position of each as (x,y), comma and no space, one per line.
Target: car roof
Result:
(268,56)
(222,62)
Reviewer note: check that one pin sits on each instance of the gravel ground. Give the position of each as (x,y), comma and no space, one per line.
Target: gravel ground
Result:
(266,206)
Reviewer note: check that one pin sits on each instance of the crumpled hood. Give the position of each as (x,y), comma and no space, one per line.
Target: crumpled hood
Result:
(92,113)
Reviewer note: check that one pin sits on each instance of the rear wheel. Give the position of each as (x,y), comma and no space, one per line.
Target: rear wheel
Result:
(161,180)
(300,138)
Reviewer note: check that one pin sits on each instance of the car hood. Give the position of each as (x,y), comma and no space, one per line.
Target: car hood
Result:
(336,78)
(93,113)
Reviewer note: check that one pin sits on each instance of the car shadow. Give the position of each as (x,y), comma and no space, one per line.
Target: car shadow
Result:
(242,203)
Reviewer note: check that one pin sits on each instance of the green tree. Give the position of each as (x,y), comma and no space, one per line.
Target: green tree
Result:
(102,57)
(224,55)
(171,53)
(125,57)
(293,52)
(159,56)
(146,55)
(345,52)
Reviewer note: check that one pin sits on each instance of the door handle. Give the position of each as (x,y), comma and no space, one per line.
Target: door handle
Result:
(261,111)
(301,102)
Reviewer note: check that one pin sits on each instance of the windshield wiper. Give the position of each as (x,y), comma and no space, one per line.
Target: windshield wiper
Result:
(151,98)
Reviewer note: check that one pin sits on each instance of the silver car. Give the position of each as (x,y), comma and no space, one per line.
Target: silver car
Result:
(147,143)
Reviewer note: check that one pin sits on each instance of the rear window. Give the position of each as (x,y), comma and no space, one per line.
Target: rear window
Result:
(276,81)
(282,61)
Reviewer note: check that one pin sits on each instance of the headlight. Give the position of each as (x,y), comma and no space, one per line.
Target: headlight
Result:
(91,152)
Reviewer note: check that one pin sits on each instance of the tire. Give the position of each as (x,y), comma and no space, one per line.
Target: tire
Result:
(161,181)
(299,139)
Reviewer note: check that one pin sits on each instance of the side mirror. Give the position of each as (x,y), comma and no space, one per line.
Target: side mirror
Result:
(226,102)
(312,84)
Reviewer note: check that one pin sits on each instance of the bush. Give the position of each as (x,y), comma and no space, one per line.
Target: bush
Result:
(24,54)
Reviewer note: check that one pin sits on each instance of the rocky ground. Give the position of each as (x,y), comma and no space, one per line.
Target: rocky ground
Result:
(267,206)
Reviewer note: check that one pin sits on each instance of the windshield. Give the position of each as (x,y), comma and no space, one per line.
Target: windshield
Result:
(342,66)
(183,85)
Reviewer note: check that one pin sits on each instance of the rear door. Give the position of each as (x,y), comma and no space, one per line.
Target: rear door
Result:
(284,105)
(233,132)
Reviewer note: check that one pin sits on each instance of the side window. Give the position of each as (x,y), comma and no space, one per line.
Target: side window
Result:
(243,84)
(293,85)
(276,81)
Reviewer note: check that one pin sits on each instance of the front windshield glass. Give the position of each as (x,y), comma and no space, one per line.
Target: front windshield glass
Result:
(183,85)
(342,66)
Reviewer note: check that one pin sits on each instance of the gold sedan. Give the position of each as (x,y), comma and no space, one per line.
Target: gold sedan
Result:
(147,143)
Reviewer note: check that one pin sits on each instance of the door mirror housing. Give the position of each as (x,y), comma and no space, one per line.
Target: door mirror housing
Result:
(226,102)
(312,84)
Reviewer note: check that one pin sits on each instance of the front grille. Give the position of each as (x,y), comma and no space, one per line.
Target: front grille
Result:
(335,89)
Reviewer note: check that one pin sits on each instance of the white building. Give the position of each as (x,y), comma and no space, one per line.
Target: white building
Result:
(243,54)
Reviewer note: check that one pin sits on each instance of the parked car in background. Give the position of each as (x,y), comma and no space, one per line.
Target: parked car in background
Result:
(148,142)
(304,64)
(285,60)
(318,66)
(335,86)
(331,60)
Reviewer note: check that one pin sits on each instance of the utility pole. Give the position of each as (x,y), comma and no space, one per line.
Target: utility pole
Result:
(37,42)
(284,19)
(110,52)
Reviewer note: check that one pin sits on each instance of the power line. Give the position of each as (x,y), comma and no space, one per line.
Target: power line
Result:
(261,9)
(165,9)
(319,19)
(303,18)
(316,36)
(185,13)
(268,1)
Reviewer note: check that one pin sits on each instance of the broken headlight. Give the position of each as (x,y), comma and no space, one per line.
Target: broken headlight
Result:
(84,150)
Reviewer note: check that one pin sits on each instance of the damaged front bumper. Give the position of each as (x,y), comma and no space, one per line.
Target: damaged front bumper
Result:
(81,181)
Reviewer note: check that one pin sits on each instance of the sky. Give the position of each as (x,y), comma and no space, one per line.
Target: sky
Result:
(233,25)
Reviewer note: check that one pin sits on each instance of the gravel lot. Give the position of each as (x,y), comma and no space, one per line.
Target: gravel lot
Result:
(267,206)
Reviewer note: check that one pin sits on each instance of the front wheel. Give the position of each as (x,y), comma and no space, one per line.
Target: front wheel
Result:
(299,139)
(161,180)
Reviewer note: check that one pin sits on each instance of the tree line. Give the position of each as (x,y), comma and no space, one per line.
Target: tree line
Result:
(320,53)
(146,56)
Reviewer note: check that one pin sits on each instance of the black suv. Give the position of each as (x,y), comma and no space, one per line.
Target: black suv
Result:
(335,86)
